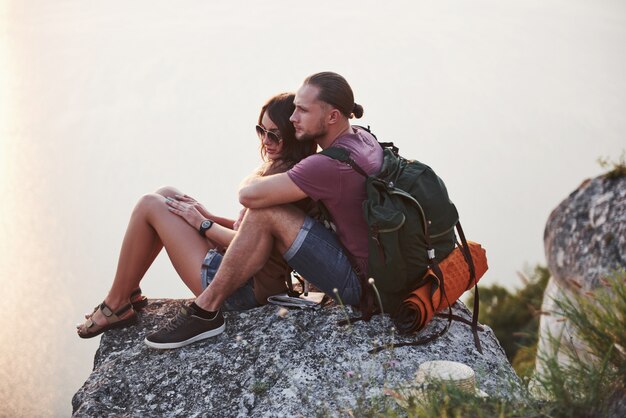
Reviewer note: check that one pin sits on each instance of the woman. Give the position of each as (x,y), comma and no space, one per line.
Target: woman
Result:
(173,220)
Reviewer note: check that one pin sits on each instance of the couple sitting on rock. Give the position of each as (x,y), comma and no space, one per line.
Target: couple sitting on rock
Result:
(235,265)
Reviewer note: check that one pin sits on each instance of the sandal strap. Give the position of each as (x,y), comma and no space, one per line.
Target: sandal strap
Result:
(113,320)
(136,292)
(110,315)
(109,312)
(106,311)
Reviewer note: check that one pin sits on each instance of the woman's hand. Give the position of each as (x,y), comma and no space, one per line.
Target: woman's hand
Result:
(188,211)
(191,201)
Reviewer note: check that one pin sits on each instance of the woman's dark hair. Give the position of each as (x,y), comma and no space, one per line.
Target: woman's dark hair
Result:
(279,109)
(335,90)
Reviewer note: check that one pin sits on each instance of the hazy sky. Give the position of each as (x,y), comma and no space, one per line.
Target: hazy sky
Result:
(511,102)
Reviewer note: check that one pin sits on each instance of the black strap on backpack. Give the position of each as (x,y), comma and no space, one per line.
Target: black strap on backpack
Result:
(470,262)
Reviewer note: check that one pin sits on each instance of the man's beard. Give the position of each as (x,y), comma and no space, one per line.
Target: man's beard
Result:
(313,136)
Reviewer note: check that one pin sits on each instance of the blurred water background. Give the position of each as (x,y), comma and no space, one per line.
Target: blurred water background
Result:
(510,101)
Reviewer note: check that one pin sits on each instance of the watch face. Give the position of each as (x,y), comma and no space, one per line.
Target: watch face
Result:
(206,224)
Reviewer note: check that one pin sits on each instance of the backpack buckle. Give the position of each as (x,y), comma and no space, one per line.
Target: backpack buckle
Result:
(431,253)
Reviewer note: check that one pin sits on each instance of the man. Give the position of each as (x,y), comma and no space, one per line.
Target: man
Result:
(336,262)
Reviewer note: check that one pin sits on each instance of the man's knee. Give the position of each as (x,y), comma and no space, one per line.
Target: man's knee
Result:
(276,215)
(282,222)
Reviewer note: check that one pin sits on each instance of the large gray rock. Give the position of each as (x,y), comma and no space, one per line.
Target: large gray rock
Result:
(585,241)
(585,236)
(302,364)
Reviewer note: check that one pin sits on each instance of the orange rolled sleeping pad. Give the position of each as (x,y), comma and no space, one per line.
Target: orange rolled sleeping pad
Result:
(422,303)
(419,307)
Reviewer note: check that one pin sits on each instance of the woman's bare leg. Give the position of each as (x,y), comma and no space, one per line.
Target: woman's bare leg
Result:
(140,247)
(151,227)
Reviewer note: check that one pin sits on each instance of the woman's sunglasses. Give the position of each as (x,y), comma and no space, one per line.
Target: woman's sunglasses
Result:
(274,137)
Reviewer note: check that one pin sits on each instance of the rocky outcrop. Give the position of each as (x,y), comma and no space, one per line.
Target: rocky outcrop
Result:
(585,241)
(585,236)
(268,364)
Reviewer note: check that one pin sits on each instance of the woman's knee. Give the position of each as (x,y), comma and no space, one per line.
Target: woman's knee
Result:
(156,200)
(168,191)
(148,203)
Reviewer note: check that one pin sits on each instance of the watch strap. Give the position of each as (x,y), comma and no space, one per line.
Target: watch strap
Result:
(202,230)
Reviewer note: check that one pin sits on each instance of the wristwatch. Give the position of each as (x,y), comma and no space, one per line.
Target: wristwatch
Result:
(206,224)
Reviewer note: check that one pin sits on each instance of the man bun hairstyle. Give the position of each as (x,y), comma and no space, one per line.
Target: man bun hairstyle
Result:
(357,111)
(335,90)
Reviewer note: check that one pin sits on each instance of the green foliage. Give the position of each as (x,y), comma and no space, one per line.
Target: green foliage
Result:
(259,387)
(578,390)
(599,320)
(524,361)
(514,317)
(447,401)
(594,377)
(614,169)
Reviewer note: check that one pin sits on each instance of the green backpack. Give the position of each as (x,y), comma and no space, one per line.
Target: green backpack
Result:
(411,223)
(405,199)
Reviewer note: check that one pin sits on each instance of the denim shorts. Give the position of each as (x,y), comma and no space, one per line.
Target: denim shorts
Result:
(318,256)
(242,299)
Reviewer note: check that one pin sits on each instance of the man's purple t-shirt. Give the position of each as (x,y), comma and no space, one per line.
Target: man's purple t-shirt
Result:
(341,189)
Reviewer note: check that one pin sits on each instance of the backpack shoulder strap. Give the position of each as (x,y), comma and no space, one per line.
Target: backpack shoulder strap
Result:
(336,153)
(343,155)
(382,144)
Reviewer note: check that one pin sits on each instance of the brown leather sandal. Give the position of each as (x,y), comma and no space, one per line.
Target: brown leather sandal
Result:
(113,320)
(138,300)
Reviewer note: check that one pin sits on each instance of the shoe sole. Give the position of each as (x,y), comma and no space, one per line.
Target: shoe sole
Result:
(203,336)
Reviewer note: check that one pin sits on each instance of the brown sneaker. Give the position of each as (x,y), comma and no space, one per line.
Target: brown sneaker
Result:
(185,328)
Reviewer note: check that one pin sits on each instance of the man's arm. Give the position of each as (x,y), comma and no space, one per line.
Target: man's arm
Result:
(266,191)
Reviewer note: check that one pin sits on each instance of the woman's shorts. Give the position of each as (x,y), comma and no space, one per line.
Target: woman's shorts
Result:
(242,299)
(318,256)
